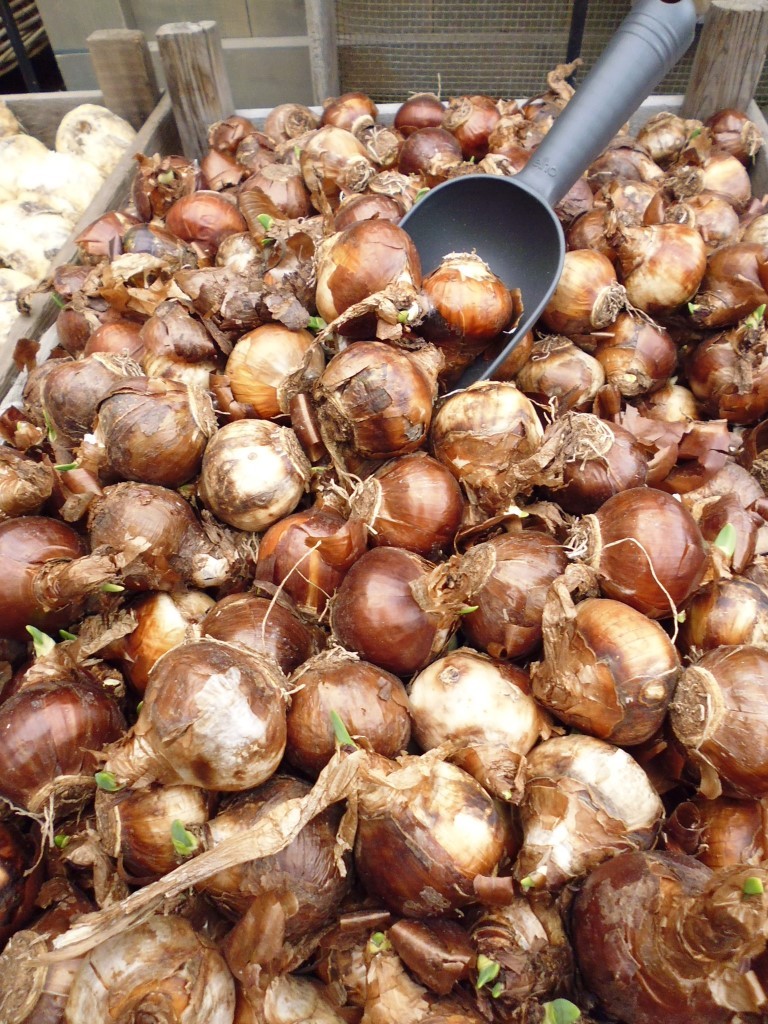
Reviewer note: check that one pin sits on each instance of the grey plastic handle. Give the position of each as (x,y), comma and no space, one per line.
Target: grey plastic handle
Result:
(650,41)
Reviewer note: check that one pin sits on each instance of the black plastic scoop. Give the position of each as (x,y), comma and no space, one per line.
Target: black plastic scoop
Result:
(510,222)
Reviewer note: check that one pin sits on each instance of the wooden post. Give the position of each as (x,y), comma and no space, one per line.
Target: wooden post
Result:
(323,56)
(193,62)
(729,57)
(125,73)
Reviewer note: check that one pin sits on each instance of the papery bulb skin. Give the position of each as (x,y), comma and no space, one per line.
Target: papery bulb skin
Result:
(662,266)
(308,554)
(371,702)
(480,434)
(162,622)
(607,669)
(665,134)
(413,848)
(361,260)
(637,356)
(726,612)
(151,431)
(398,611)
(332,160)
(469,306)
(560,374)
(52,734)
(120,338)
(263,625)
(158,971)
(587,297)
(213,716)
(484,709)
(349,110)
(135,826)
(306,869)
(429,151)
(527,937)
(261,363)
(617,466)
(177,346)
(204,217)
(650,552)
(413,502)
(254,472)
(26,544)
(25,485)
(717,716)
(658,936)
(471,119)
(422,110)
(507,620)
(733,132)
(584,801)
(289,121)
(375,402)
(165,540)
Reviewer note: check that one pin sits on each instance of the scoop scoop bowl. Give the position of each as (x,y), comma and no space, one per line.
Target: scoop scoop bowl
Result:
(510,222)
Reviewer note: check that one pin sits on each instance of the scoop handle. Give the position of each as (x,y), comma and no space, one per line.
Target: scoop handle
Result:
(650,41)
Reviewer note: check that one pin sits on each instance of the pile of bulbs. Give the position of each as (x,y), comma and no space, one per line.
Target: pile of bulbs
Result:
(333,694)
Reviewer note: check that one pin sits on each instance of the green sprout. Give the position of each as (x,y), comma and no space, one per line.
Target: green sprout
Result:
(50,430)
(184,843)
(61,842)
(725,541)
(561,1011)
(107,781)
(57,300)
(66,635)
(66,467)
(316,323)
(497,989)
(487,970)
(42,643)
(341,732)
(753,886)
(166,177)
(111,588)
(755,318)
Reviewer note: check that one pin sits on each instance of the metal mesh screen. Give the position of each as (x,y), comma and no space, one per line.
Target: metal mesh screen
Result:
(602,19)
(398,47)
(499,47)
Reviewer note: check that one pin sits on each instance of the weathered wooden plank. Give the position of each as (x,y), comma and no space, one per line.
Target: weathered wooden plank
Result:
(323,57)
(729,57)
(193,63)
(157,135)
(125,73)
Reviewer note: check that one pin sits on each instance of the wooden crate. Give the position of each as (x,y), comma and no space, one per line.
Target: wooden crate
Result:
(159,136)
(40,115)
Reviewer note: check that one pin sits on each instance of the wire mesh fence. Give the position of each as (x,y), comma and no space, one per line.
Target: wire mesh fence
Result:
(500,47)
